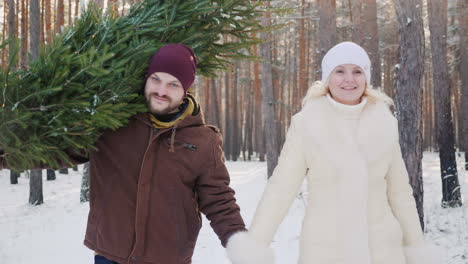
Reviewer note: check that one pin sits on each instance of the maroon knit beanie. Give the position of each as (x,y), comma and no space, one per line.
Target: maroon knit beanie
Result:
(177,60)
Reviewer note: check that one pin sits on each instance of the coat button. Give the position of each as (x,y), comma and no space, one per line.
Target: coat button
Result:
(133,259)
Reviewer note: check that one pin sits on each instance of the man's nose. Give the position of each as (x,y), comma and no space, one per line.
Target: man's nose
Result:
(160,89)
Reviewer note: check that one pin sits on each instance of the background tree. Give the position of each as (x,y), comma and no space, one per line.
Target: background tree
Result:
(445,132)
(35,180)
(268,105)
(409,91)
(462,10)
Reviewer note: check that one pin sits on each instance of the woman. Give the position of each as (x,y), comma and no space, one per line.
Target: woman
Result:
(360,208)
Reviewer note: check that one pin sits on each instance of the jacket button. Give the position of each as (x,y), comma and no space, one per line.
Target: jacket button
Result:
(133,258)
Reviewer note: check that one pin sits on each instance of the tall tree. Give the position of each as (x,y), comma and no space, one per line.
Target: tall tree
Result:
(47,21)
(24,32)
(34,28)
(35,181)
(268,105)
(258,123)
(84,193)
(462,9)
(60,16)
(409,91)
(327,26)
(11,27)
(365,33)
(35,185)
(444,125)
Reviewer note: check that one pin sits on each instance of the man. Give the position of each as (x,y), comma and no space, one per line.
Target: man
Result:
(150,180)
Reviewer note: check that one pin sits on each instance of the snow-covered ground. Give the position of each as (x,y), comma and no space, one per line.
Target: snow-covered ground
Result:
(53,232)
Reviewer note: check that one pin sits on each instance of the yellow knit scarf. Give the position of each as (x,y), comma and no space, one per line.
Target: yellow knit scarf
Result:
(188,111)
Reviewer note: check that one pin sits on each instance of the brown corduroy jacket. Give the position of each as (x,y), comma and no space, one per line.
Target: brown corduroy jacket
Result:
(145,201)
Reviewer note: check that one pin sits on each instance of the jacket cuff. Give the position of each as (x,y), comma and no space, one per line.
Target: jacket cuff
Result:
(242,248)
(424,253)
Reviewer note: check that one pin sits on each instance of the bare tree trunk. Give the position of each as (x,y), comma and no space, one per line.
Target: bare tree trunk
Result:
(11,28)
(14,177)
(84,193)
(445,134)
(409,91)
(59,22)
(268,105)
(34,28)
(327,27)
(4,30)
(24,33)
(48,25)
(215,104)
(371,40)
(51,175)
(35,186)
(303,73)
(258,123)
(462,9)
(236,120)
(228,120)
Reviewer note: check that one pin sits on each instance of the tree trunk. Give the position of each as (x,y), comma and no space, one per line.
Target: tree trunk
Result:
(34,28)
(228,122)
(462,9)
(84,193)
(327,27)
(236,120)
(303,73)
(14,177)
(47,21)
(268,105)
(445,133)
(51,175)
(214,104)
(59,22)
(408,93)
(11,28)
(35,187)
(258,123)
(24,33)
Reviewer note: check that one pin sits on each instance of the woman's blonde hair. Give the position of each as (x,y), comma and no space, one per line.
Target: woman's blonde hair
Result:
(319,89)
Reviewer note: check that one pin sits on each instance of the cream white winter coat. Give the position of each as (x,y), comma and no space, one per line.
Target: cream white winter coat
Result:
(360,207)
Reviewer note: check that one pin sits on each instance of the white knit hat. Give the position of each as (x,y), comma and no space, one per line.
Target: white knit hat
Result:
(345,53)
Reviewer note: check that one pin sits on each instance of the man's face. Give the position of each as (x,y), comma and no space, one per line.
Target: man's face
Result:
(164,93)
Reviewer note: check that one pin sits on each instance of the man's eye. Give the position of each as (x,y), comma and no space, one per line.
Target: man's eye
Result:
(174,85)
(155,78)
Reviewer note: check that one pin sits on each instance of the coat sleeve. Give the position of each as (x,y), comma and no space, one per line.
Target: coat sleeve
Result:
(74,156)
(400,197)
(282,187)
(215,197)
(401,200)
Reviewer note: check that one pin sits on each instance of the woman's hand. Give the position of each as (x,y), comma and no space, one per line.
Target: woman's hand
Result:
(242,248)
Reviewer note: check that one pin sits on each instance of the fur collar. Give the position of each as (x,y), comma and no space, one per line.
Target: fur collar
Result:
(377,130)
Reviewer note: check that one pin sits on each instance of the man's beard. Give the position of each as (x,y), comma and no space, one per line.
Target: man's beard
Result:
(170,108)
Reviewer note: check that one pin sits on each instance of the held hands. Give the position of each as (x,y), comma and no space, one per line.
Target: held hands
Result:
(242,248)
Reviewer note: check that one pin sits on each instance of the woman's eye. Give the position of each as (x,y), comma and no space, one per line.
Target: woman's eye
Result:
(155,78)
(357,72)
(174,85)
(339,71)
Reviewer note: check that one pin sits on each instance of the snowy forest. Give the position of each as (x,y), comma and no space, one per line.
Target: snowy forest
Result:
(419,54)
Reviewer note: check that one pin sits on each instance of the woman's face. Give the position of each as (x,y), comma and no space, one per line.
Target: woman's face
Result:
(347,83)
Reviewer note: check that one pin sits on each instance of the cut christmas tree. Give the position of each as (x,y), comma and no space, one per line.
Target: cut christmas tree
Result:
(90,78)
